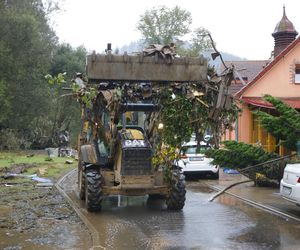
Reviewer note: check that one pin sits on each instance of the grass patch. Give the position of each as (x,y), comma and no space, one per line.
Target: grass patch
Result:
(56,170)
(8,158)
(42,165)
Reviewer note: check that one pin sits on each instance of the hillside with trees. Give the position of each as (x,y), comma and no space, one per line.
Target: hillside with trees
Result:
(31,111)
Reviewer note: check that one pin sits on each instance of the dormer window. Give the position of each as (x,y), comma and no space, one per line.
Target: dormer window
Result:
(297,74)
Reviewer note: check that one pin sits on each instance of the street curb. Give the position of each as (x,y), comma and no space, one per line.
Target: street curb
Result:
(256,204)
(91,228)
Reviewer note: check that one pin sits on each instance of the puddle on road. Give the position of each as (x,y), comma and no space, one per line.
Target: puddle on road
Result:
(268,231)
(135,223)
(200,188)
(227,223)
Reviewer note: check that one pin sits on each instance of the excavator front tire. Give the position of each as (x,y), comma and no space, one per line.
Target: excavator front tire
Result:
(93,190)
(176,199)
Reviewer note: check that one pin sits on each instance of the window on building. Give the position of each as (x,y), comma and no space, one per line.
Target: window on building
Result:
(297,74)
(260,137)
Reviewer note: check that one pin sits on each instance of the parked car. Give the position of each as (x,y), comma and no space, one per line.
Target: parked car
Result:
(193,160)
(290,183)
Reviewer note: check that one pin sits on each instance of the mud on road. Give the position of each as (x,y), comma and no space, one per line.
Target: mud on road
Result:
(34,217)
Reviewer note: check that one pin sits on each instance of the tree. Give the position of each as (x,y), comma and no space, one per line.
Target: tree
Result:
(176,117)
(238,155)
(200,41)
(64,109)
(4,102)
(162,25)
(284,125)
(26,48)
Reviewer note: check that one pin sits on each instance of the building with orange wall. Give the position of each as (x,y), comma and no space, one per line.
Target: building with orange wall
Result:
(280,78)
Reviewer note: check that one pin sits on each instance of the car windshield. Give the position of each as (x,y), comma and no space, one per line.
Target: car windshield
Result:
(193,149)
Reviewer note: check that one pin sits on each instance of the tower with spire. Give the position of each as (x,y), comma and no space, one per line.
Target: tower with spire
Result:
(284,34)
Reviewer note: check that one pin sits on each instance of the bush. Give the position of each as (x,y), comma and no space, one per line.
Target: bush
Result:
(11,140)
(238,155)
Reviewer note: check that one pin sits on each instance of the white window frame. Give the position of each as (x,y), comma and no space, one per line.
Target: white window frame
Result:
(297,74)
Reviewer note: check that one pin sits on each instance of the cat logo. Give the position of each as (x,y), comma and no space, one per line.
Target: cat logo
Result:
(135,143)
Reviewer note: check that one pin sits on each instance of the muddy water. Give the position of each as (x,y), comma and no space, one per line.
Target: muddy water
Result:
(135,223)
(39,218)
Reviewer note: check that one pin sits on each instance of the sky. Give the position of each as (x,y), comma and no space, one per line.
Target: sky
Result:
(239,27)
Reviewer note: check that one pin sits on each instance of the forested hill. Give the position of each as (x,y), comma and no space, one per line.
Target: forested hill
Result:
(31,111)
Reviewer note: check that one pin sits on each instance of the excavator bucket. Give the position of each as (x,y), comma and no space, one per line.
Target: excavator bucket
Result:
(139,68)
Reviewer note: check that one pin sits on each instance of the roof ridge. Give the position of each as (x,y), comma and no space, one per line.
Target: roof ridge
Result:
(248,60)
(268,67)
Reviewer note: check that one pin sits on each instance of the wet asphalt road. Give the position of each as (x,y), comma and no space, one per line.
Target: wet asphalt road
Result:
(227,223)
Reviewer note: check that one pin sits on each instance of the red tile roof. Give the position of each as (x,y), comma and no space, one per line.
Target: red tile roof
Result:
(259,102)
(268,67)
(247,70)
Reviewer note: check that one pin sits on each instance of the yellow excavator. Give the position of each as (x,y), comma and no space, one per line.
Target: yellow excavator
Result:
(120,128)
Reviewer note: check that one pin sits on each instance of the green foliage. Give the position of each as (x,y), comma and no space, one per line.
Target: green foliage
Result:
(284,125)
(238,155)
(28,51)
(186,109)
(200,42)
(162,25)
(175,117)
(59,79)
(85,96)
(68,59)
(25,52)
(88,96)
(166,154)
(11,140)
(164,157)
(4,102)
(182,115)
(64,108)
